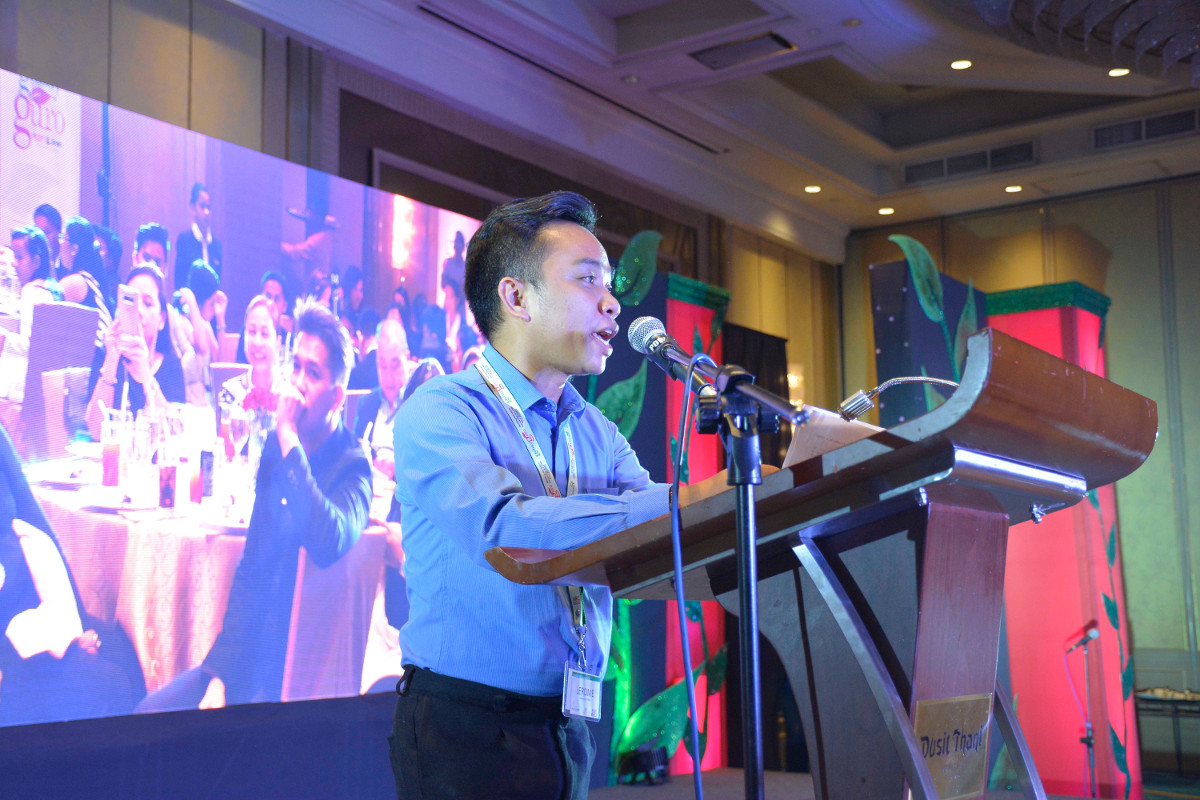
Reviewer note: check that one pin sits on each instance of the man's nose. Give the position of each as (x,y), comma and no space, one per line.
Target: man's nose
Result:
(609,304)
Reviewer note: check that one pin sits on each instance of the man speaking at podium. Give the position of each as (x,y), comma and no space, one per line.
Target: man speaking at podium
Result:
(507,453)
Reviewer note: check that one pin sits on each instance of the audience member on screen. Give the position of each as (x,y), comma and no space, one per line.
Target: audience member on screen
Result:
(455,266)
(377,411)
(197,243)
(310,261)
(150,246)
(352,291)
(82,269)
(50,222)
(53,663)
(433,342)
(111,250)
(272,286)
(312,490)
(255,390)
(460,333)
(426,369)
(203,305)
(365,375)
(140,368)
(32,262)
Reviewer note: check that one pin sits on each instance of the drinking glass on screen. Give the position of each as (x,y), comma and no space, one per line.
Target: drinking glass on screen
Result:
(239,427)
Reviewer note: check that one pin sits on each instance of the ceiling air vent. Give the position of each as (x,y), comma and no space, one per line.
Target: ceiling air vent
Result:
(1180,122)
(1140,131)
(1013,155)
(925,171)
(966,163)
(973,163)
(732,54)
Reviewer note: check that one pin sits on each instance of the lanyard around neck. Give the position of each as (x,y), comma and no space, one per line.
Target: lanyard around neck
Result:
(517,416)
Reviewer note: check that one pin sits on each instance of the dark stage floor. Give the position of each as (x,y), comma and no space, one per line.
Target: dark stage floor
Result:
(727,784)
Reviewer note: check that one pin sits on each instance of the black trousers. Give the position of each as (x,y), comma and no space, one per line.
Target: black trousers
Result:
(453,738)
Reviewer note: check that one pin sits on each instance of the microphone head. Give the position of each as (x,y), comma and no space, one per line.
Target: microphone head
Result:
(1093,633)
(642,331)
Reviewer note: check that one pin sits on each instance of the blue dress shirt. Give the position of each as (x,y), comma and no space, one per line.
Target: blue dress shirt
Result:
(466,483)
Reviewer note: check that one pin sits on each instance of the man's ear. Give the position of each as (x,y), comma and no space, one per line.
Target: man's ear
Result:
(514,298)
(339,398)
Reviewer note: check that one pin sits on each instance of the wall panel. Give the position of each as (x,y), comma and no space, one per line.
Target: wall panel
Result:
(226,77)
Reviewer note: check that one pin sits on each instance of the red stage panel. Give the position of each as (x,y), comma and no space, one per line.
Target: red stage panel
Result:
(1058,579)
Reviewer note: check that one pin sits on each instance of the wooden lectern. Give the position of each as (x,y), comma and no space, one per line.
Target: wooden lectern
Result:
(881,565)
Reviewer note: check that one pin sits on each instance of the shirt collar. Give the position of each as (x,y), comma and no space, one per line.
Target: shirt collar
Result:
(203,238)
(525,393)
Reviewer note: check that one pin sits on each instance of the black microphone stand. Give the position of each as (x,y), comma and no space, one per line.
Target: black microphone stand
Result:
(739,411)
(1088,740)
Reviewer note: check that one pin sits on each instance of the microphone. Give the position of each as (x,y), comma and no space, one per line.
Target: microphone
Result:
(1092,632)
(649,337)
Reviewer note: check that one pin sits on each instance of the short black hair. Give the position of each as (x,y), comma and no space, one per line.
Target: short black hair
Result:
(202,280)
(367,322)
(38,249)
(80,233)
(315,319)
(352,278)
(152,232)
(112,241)
(51,213)
(197,188)
(507,246)
(273,275)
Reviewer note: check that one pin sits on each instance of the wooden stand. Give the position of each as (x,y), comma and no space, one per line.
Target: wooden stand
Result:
(881,565)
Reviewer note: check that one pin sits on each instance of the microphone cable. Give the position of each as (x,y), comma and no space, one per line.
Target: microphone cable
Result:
(677,554)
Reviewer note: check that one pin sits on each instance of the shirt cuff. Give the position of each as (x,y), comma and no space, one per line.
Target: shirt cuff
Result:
(648,503)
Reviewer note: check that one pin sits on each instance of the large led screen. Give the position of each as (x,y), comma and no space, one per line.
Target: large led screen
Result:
(139,556)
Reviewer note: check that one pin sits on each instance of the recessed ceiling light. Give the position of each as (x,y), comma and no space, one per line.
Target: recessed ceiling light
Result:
(1118,72)
(629,78)
(1013,189)
(812,189)
(962,63)
(887,211)
(851,22)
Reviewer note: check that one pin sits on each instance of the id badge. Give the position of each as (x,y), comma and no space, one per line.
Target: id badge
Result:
(581,693)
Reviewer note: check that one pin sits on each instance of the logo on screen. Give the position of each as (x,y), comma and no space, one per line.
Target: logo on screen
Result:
(37,117)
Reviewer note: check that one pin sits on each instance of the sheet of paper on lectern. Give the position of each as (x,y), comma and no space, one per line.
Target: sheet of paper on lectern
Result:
(824,431)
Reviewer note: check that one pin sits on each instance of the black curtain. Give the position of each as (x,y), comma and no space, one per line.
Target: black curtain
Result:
(765,357)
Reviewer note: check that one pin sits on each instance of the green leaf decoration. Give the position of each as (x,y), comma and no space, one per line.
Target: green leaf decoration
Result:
(1094,499)
(925,276)
(622,402)
(1127,681)
(687,742)
(662,720)
(933,398)
(1112,546)
(714,670)
(697,342)
(718,321)
(683,473)
(635,271)
(1118,750)
(1110,608)
(694,611)
(968,323)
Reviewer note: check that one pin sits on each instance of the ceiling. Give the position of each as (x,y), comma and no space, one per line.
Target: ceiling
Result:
(840,94)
